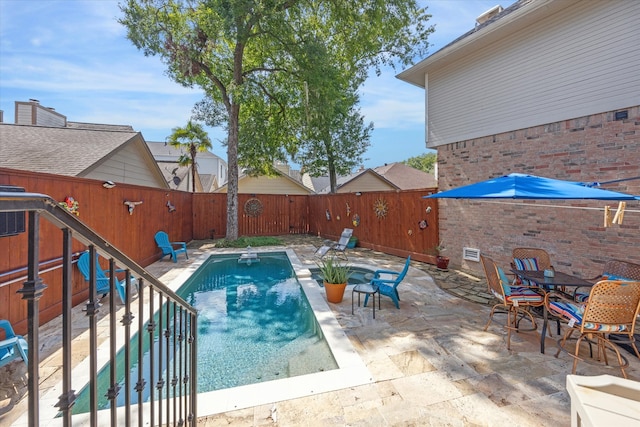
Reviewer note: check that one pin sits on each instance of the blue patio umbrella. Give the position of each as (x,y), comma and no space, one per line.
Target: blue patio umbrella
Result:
(522,186)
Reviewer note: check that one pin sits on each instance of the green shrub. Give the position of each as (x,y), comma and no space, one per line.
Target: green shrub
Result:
(245,241)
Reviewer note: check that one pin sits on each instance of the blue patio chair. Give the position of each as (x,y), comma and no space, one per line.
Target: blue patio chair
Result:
(13,346)
(389,287)
(102,277)
(170,248)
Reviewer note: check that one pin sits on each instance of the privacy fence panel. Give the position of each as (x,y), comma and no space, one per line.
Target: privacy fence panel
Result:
(394,222)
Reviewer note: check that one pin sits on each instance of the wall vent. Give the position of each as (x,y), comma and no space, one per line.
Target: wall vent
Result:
(471,254)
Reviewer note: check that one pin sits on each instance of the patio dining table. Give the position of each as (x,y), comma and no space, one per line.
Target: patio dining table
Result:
(559,280)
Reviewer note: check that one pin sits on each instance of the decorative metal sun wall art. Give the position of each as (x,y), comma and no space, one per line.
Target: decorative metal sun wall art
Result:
(253,207)
(380,208)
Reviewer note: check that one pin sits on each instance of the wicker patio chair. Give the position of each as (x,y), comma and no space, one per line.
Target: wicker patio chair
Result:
(541,257)
(612,309)
(515,300)
(614,269)
(530,259)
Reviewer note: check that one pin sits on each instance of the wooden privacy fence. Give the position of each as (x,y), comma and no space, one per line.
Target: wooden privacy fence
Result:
(399,223)
(395,222)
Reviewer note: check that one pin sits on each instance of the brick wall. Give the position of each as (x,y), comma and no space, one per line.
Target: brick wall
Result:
(586,149)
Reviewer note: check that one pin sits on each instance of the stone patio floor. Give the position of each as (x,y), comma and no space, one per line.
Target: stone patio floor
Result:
(432,363)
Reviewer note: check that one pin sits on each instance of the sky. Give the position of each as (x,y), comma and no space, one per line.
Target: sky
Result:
(73,56)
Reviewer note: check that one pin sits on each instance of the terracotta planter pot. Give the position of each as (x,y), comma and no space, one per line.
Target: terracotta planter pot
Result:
(335,291)
(442,263)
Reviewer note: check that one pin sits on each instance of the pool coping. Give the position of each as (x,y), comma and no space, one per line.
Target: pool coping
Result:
(351,371)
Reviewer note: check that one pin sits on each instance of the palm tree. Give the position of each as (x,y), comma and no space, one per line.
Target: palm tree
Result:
(194,139)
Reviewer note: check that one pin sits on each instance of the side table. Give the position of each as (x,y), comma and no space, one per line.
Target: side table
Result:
(366,289)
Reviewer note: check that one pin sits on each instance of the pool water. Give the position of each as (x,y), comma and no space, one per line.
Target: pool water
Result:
(254,325)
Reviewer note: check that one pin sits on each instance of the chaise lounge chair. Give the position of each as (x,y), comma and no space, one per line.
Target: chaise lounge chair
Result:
(337,247)
(102,277)
(389,287)
(12,346)
(170,248)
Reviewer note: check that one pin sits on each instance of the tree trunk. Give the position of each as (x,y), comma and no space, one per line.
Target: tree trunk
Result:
(192,151)
(232,183)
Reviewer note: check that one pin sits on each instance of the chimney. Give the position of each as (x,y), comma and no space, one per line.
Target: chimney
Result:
(34,114)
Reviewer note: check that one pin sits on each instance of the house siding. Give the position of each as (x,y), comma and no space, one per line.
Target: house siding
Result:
(586,149)
(365,182)
(582,60)
(127,166)
(268,185)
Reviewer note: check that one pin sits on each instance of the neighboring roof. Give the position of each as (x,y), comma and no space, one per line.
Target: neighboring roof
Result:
(99,126)
(209,182)
(162,149)
(345,180)
(319,183)
(405,177)
(62,151)
(520,14)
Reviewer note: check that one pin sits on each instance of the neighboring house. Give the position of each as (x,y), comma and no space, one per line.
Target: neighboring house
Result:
(282,183)
(361,181)
(390,177)
(212,170)
(179,177)
(548,87)
(42,140)
(405,177)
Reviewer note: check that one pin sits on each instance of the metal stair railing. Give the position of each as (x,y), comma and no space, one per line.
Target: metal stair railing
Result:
(173,395)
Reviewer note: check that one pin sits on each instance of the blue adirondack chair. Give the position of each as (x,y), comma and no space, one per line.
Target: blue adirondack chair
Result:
(13,346)
(170,248)
(102,277)
(389,287)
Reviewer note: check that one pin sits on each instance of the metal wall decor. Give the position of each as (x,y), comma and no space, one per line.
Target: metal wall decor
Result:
(253,207)
(131,205)
(380,208)
(356,220)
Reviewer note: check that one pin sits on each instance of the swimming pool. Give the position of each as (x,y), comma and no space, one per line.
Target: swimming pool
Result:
(254,324)
(351,371)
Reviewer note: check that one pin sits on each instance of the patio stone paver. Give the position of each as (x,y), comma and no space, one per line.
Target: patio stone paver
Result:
(431,361)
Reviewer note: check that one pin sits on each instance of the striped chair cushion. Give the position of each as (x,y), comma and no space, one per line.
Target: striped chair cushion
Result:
(530,264)
(521,294)
(576,312)
(581,297)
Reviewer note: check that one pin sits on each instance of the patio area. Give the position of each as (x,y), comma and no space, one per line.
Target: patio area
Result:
(431,362)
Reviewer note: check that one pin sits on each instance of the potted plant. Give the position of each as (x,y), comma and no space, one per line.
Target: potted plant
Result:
(335,275)
(353,241)
(442,262)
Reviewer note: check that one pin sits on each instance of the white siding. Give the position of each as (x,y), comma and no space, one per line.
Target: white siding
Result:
(583,60)
(127,165)
(268,185)
(365,182)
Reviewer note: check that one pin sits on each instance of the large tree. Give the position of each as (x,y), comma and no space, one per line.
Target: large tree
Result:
(193,138)
(246,56)
(334,136)
(425,162)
